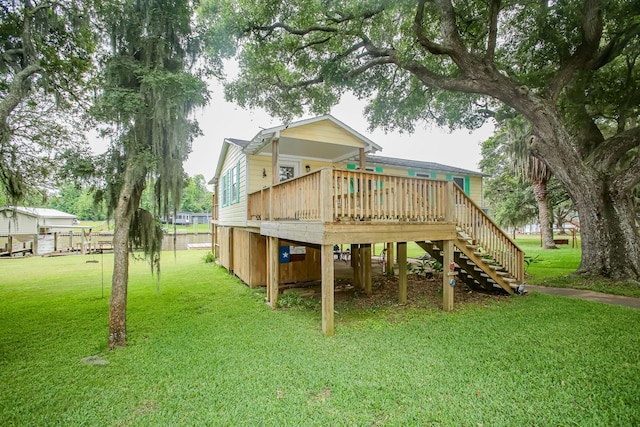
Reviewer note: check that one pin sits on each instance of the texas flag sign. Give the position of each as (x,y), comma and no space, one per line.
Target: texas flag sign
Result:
(285,254)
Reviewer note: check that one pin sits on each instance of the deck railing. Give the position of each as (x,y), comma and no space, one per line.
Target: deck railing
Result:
(336,195)
(372,196)
(353,196)
(487,235)
(297,198)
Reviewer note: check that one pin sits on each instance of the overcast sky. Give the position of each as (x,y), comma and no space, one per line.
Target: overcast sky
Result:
(221,119)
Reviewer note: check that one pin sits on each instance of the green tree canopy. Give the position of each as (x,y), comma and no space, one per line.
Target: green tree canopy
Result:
(195,196)
(46,61)
(569,68)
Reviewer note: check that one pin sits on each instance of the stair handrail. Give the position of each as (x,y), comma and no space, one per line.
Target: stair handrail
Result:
(488,235)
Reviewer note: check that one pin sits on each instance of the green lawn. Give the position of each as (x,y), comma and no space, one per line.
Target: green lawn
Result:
(205,350)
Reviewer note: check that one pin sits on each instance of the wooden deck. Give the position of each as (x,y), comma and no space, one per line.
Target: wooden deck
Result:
(332,206)
(335,206)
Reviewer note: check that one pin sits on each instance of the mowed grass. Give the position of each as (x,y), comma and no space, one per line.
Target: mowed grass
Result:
(557,267)
(205,350)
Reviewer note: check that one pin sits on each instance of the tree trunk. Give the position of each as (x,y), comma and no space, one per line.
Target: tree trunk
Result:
(610,241)
(128,201)
(544,214)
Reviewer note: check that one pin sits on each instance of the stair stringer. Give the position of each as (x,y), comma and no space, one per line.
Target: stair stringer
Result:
(483,286)
(486,268)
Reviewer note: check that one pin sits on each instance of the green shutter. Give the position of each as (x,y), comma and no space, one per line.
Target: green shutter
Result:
(238,182)
(229,178)
(351,166)
(379,169)
(449,177)
(434,175)
(412,173)
(467,185)
(223,190)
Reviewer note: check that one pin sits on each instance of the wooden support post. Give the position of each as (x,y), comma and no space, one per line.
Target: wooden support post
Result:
(362,160)
(450,203)
(389,260)
(355,266)
(326,257)
(273,270)
(10,245)
(326,196)
(55,242)
(447,289)
(214,240)
(275,161)
(34,245)
(365,260)
(402,272)
(231,251)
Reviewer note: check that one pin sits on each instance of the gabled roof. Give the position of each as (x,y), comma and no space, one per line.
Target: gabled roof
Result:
(223,154)
(337,145)
(415,164)
(263,137)
(38,212)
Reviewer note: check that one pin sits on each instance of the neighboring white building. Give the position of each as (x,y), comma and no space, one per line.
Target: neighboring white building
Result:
(36,225)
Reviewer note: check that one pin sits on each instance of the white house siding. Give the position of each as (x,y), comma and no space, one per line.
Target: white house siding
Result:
(234,214)
(21,224)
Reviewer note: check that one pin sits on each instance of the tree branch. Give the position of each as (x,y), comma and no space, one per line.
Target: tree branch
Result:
(449,30)
(611,150)
(432,47)
(16,91)
(628,178)
(298,32)
(494,10)
(591,29)
(614,48)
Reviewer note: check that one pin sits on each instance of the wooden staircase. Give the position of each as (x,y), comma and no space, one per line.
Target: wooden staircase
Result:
(475,268)
(486,258)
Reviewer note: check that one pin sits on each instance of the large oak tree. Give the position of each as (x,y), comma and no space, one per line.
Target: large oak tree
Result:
(569,67)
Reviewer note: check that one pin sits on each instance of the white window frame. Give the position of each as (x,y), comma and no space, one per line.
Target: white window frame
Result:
(296,164)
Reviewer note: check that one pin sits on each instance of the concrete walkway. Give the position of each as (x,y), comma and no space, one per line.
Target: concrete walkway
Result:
(588,295)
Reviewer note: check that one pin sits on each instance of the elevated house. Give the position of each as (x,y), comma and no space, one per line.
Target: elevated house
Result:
(284,198)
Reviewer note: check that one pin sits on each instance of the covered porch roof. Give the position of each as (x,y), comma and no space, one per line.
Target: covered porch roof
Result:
(323,138)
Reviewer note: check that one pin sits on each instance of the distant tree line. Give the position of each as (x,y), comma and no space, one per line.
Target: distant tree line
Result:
(83,202)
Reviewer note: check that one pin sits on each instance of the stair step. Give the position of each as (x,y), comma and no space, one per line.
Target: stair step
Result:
(509,280)
(502,273)
(479,253)
(471,246)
